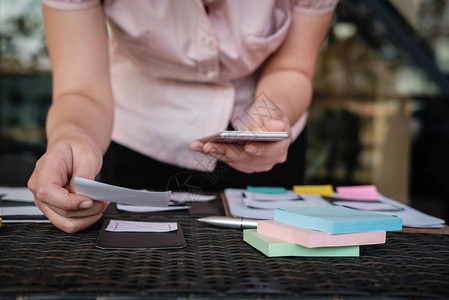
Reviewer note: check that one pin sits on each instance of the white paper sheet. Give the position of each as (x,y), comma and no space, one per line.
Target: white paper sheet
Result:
(371,206)
(264,204)
(138,226)
(20,211)
(238,208)
(135,208)
(191,197)
(110,193)
(22,194)
(177,197)
(410,216)
(26,221)
(289,195)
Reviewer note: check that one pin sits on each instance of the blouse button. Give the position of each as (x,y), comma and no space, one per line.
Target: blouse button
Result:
(226,92)
(207,40)
(210,74)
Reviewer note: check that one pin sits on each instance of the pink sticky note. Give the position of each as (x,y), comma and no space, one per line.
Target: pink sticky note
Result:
(312,238)
(359,192)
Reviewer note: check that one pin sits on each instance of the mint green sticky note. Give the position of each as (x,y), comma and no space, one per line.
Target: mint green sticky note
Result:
(274,247)
(266,189)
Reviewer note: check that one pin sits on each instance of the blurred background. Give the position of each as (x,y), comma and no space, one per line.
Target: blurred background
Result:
(380,114)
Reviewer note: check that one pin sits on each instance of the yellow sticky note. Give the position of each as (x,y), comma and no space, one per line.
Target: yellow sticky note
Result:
(325,190)
(0,222)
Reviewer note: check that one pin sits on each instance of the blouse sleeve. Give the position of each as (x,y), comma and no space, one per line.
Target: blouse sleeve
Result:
(70,4)
(314,7)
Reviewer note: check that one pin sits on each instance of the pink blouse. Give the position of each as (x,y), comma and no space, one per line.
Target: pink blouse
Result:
(181,70)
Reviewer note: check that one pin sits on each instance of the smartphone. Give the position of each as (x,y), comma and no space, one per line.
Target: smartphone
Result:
(245,136)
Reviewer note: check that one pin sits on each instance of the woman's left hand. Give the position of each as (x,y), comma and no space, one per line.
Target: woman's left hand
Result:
(254,156)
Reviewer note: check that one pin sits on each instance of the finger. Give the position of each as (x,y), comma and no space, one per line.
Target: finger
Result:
(275,125)
(234,154)
(225,152)
(196,146)
(271,149)
(69,225)
(86,164)
(252,168)
(267,149)
(48,181)
(97,207)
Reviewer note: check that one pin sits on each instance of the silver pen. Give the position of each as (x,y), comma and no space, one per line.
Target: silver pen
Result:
(230,222)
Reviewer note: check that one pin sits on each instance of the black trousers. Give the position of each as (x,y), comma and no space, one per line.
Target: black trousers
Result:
(125,167)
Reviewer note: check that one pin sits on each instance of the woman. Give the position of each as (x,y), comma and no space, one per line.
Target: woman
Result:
(155,76)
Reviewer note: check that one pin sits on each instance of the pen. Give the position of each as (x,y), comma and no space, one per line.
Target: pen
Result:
(230,222)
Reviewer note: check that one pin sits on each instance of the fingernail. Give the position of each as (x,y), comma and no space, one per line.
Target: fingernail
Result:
(86,204)
(209,149)
(251,149)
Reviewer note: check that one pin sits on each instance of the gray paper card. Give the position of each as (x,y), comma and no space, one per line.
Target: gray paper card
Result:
(111,193)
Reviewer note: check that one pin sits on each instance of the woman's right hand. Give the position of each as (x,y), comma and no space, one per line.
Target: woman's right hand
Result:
(80,119)
(52,182)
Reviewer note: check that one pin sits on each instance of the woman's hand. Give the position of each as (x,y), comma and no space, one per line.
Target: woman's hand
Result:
(251,157)
(53,186)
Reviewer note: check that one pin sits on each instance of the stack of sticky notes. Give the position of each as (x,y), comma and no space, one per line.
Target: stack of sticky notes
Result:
(320,231)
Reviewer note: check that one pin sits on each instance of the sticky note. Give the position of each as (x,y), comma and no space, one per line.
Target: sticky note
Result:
(266,189)
(325,190)
(138,226)
(274,247)
(361,192)
(336,219)
(1,222)
(313,238)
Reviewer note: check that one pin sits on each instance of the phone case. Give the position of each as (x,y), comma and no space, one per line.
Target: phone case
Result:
(245,136)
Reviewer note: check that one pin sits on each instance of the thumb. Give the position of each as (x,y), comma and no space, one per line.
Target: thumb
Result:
(85,166)
(275,125)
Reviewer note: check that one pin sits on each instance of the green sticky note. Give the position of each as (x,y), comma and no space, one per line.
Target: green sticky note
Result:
(266,189)
(274,247)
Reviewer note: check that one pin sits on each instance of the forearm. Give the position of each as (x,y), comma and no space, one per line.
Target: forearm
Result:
(76,113)
(289,90)
(82,109)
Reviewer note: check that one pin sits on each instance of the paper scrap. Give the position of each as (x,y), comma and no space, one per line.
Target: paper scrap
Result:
(325,190)
(110,193)
(191,197)
(288,195)
(135,208)
(138,226)
(360,192)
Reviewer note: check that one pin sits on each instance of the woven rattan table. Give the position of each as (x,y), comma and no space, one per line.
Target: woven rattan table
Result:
(38,261)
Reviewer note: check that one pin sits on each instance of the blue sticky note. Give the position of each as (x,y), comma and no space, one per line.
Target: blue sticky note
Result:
(336,219)
(266,189)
